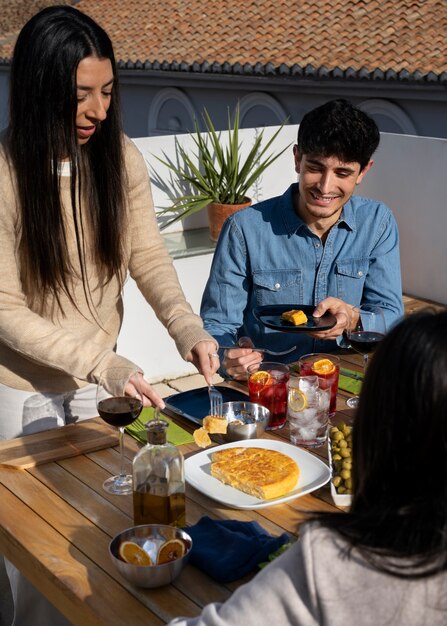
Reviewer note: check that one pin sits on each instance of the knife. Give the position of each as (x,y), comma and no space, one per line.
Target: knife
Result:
(351,374)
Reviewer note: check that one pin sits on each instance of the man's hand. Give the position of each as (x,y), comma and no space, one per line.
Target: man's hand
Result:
(204,356)
(344,313)
(237,360)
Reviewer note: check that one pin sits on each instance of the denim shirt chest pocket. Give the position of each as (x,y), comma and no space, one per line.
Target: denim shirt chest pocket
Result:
(278,286)
(350,275)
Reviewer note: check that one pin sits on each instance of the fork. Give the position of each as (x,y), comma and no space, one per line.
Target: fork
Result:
(272,352)
(216,401)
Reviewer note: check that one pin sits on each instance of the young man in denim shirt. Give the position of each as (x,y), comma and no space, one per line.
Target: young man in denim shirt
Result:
(317,244)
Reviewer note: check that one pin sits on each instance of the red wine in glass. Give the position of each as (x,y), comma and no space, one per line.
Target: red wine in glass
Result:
(365,341)
(369,331)
(120,411)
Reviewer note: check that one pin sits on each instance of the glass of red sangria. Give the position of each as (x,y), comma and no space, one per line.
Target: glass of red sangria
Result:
(267,386)
(327,368)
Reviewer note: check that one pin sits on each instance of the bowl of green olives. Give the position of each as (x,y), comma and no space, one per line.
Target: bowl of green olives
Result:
(340,458)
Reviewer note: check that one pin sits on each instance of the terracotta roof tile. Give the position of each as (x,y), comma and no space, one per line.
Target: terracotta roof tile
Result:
(330,35)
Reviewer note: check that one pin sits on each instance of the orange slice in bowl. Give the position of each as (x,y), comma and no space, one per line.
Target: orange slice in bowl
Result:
(132,553)
(170,551)
(261,378)
(323,367)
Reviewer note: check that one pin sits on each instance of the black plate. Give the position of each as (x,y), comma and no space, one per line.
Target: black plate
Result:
(270,316)
(194,404)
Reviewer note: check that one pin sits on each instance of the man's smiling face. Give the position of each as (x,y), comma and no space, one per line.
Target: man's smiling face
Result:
(326,184)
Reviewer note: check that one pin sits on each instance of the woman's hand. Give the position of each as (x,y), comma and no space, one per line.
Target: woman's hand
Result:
(237,360)
(137,384)
(204,356)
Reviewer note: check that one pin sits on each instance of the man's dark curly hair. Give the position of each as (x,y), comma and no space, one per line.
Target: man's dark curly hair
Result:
(338,128)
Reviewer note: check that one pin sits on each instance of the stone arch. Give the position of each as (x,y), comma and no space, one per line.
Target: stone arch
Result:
(379,109)
(251,106)
(171,112)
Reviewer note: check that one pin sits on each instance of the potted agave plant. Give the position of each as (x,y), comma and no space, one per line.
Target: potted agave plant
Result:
(216,177)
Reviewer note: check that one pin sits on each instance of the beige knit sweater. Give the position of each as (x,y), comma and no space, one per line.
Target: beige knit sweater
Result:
(43,350)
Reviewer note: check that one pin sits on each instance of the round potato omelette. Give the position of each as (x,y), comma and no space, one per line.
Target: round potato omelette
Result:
(262,473)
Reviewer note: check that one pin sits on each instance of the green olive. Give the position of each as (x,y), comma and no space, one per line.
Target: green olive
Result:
(341,451)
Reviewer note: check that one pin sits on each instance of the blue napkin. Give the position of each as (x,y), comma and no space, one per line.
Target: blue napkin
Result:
(227,550)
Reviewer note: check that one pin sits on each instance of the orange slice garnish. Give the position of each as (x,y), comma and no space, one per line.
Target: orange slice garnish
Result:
(261,378)
(170,551)
(134,554)
(323,367)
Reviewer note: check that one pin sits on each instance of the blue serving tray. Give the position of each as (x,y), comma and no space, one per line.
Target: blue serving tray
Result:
(194,404)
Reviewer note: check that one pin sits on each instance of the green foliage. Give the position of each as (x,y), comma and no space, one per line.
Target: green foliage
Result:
(273,555)
(215,173)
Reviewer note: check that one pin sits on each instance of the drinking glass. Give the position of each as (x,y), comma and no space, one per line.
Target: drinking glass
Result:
(308,411)
(267,386)
(369,330)
(327,368)
(119,410)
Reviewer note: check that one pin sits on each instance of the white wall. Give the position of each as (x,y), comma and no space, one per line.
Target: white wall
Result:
(144,340)
(408,175)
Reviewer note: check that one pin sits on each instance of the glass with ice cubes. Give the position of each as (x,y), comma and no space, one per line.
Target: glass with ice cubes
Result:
(307,411)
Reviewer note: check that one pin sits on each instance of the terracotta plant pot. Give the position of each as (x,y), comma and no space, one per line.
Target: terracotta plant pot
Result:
(218,213)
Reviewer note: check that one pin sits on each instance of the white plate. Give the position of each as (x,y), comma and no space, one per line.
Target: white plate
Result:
(313,474)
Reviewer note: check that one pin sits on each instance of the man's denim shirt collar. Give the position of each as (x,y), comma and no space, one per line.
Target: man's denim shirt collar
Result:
(292,220)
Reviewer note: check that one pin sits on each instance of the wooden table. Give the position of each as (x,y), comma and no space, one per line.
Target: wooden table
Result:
(56,522)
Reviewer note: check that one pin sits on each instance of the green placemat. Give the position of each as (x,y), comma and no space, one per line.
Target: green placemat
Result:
(347,383)
(176,434)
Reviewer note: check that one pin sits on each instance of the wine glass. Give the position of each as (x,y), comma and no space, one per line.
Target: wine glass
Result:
(363,338)
(118,409)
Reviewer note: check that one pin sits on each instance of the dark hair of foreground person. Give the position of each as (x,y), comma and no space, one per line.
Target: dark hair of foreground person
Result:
(398,517)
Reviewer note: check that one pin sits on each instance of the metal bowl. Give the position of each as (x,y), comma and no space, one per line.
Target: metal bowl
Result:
(246,420)
(150,537)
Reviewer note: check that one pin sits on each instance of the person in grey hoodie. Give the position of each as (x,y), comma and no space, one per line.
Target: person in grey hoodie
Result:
(385,561)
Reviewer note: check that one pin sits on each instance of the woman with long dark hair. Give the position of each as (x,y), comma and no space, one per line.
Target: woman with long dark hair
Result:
(385,561)
(76,216)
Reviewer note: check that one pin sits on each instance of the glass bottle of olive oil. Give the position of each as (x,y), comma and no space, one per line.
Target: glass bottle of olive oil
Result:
(158,480)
